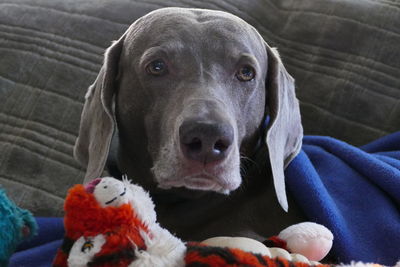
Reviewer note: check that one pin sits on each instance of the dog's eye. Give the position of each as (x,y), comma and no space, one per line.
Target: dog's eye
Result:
(246,73)
(156,67)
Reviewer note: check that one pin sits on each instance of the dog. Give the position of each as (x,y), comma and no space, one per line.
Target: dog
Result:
(197,108)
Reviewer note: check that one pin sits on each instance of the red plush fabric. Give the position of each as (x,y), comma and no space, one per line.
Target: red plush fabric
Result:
(85,217)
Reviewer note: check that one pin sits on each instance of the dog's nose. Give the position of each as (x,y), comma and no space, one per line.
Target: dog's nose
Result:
(205,141)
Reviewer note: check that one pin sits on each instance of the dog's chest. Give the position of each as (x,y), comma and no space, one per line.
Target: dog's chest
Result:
(256,215)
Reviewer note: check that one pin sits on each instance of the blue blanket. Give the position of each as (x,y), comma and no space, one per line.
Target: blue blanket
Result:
(355,192)
(40,251)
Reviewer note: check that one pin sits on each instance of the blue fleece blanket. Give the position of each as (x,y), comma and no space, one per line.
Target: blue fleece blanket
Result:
(355,192)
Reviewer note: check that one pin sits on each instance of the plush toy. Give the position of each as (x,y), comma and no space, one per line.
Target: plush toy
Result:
(16,225)
(113,223)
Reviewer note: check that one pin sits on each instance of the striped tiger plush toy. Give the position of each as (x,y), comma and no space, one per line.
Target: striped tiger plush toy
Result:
(113,223)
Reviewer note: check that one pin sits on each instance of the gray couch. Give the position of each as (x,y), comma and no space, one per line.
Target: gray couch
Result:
(344,55)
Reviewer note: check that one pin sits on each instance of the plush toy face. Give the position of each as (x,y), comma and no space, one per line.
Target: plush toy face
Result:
(110,192)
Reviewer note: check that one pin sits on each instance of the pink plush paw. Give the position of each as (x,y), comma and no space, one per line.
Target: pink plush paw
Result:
(311,240)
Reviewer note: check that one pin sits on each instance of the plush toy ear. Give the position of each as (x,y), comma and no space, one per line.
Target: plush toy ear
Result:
(97,119)
(285,132)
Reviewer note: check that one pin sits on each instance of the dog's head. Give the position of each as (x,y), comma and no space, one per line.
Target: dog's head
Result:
(188,90)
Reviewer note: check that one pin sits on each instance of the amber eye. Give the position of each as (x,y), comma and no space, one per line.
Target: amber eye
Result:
(246,73)
(156,67)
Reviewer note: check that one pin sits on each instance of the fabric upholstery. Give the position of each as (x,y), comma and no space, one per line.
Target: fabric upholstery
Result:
(343,55)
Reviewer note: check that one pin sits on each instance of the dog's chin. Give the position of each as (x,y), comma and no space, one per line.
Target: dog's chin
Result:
(177,194)
(203,182)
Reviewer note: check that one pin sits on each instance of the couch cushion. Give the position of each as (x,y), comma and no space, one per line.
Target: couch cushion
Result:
(344,56)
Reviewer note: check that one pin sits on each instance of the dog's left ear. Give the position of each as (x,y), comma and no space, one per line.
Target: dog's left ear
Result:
(97,120)
(285,132)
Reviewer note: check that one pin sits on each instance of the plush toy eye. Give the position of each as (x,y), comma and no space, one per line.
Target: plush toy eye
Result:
(246,73)
(156,68)
(87,246)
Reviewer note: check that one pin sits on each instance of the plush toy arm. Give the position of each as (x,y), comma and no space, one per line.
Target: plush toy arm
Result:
(256,247)
(200,254)
(307,242)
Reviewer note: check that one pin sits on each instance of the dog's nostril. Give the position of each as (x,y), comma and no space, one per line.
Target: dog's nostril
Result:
(220,146)
(194,145)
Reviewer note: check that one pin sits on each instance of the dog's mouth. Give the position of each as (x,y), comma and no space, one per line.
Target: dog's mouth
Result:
(115,198)
(202,181)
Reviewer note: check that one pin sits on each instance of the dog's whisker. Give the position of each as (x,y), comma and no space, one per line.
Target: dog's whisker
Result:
(243,170)
(246,158)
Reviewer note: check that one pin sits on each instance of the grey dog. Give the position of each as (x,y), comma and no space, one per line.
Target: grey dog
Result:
(186,93)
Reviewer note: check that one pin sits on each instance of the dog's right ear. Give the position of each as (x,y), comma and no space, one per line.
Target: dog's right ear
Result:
(285,132)
(97,120)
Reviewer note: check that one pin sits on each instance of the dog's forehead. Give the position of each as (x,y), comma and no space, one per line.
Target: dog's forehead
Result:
(177,26)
